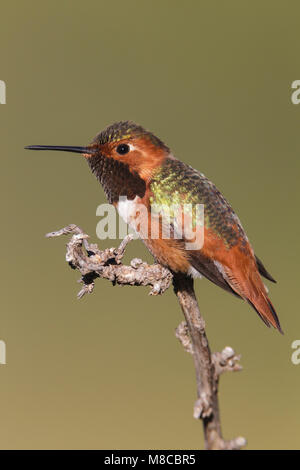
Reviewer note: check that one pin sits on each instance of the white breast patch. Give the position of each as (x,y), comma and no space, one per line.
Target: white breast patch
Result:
(127,208)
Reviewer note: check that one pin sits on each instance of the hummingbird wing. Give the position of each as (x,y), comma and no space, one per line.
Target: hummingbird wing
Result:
(262,270)
(226,257)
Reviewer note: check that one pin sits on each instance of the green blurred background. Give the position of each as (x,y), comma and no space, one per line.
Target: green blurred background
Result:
(212,79)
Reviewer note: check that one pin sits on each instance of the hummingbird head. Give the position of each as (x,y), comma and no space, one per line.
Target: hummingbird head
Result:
(124,141)
(131,145)
(123,157)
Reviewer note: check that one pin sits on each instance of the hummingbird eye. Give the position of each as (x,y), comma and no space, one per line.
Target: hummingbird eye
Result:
(122,149)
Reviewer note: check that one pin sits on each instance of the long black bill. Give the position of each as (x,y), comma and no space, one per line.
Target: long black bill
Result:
(63,148)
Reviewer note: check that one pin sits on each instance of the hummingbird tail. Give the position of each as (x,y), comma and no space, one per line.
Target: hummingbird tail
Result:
(266,311)
(246,281)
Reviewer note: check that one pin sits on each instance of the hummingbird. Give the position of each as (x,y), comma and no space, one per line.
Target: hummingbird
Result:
(135,168)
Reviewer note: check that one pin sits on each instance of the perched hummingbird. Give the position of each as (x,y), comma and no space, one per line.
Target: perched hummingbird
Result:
(135,167)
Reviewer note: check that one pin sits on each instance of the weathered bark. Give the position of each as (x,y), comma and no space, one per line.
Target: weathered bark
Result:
(208,367)
(107,264)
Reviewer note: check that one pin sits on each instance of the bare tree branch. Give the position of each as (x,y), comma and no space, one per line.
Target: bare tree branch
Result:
(106,264)
(93,263)
(208,367)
